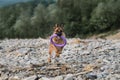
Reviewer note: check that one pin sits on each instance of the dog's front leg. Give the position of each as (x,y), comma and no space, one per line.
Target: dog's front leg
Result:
(49,58)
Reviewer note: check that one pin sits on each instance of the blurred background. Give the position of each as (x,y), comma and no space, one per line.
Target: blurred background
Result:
(36,18)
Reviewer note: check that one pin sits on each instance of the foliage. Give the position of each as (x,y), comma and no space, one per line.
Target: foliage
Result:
(80,17)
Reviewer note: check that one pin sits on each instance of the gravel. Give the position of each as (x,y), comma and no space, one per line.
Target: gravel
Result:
(88,59)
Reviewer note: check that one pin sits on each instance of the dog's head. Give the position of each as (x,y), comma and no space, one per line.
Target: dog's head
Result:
(58,29)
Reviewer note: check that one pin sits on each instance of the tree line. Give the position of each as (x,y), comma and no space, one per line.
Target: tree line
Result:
(81,18)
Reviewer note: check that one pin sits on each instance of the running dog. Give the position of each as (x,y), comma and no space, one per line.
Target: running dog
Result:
(55,50)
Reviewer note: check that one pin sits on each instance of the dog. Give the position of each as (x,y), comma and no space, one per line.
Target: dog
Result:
(54,50)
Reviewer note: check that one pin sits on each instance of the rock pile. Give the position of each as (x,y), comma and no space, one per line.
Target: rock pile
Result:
(90,59)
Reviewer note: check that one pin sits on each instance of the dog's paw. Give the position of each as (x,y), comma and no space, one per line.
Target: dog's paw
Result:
(49,60)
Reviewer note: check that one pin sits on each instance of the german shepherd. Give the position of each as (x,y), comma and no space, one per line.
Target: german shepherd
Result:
(54,50)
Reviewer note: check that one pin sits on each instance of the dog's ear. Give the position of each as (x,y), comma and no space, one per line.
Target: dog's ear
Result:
(56,25)
(62,25)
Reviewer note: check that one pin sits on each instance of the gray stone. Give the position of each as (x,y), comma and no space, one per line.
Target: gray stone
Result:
(79,78)
(4,77)
(113,78)
(69,77)
(91,76)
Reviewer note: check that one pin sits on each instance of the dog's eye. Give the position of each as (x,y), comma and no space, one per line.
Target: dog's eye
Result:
(61,31)
(57,30)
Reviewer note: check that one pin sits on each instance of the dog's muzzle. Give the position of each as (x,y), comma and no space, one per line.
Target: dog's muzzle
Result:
(58,45)
(59,33)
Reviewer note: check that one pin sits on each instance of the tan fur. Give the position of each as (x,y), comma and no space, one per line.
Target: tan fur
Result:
(57,40)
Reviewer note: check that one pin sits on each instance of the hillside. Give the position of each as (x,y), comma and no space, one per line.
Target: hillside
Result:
(114,36)
(80,18)
(111,35)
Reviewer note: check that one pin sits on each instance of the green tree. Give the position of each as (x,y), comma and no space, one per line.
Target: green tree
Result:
(39,21)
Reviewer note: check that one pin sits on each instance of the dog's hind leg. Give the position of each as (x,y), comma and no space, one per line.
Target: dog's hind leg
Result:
(49,58)
(57,53)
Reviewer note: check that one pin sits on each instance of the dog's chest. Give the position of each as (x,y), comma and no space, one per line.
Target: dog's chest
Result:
(58,40)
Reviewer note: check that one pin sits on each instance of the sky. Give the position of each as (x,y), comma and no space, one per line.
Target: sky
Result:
(8,2)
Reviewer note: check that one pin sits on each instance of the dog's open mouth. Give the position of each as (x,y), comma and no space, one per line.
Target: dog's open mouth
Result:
(59,33)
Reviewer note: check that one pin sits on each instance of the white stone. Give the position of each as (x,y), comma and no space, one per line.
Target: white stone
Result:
(69,77)
(14,78)
(30,78)
(59,78)
(44,78)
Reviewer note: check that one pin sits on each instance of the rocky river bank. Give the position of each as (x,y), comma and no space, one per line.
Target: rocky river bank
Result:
(89,59)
